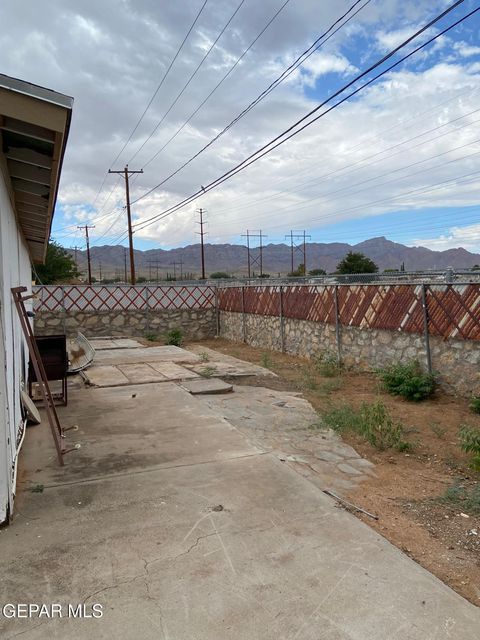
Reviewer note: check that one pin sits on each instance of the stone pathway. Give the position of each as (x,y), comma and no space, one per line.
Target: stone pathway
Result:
(286,424)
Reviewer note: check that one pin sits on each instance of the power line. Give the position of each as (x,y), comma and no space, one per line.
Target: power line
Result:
(193,74)
(301,205)
(159,86)
(235,64)
(362,162)
(283,137)
(285,74)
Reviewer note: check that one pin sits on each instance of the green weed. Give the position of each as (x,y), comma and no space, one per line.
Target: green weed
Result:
(408,381)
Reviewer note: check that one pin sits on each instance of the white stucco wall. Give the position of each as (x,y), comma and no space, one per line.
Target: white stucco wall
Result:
(14,272)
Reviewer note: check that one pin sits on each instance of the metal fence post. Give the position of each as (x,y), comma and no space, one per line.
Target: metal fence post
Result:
(425,328)
(147,308)
(217,312)
(282,320)
(244,327)
(337,325)
(64,315)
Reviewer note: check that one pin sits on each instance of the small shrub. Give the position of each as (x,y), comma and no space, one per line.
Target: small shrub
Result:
(373,422)
(266,360)
(408,381)
(328,364)
(475,404)
(466,499)
(470,443)
(438,430)
(38,488)
(174,337)
(207,372)
(151,337)
(204,357)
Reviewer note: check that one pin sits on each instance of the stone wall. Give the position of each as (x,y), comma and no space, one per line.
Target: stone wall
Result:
(196,324)
(455,362)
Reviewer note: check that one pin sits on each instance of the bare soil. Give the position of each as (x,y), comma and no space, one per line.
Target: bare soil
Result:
(408,488)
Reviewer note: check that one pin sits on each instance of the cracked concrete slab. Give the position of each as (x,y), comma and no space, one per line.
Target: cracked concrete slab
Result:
(100,344)
(144,355)
(224,365)
(278,561)
(178,517)
(204,386)
(173,371)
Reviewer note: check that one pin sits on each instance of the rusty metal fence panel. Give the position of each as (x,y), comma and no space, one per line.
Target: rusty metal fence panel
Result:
(452,310)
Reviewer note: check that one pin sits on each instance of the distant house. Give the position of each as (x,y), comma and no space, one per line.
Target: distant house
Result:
(34,125)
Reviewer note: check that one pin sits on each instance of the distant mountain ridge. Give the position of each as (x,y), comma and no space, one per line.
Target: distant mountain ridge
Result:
(232,258)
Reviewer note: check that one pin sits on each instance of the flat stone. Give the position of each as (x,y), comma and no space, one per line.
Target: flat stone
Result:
(349,470)
(141,373)
(328,456)
(100,344)
(173,371)
(142,355)
(204,386)
(105,376)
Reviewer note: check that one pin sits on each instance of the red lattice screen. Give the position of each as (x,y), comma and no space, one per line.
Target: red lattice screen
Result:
(453,309)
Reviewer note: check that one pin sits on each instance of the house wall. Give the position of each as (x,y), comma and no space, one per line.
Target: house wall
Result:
(14,272)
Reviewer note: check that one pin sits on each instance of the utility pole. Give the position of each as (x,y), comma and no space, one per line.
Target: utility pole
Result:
(300,247)
(254,259)
(86,228)
(100,269)
(125,264)
(75,248)
(201,233)
(126,174)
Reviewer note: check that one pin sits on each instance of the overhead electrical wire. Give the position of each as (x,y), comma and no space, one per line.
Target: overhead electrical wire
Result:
(221,81)
(192,75)
(159,86)
(319,42)
(369,164)
(324,197)
(295,128)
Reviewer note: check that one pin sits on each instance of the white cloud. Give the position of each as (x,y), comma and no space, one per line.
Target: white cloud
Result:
(322,63)
(110,56)
(466,50)
(467,237)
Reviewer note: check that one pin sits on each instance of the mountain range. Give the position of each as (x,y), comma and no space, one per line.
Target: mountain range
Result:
(232,259)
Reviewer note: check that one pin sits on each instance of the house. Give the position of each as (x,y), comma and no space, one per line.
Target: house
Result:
(34,125)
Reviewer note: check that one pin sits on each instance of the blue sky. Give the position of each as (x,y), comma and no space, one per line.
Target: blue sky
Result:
(399,160)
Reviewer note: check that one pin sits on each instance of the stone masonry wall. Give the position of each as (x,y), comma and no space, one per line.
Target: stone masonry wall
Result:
(196,324)
(455,362)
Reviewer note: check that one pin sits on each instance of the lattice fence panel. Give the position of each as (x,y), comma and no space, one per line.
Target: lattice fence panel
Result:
(263,301)
(117,298)
(230,299)
(316,304)
(181,297)
(454,311)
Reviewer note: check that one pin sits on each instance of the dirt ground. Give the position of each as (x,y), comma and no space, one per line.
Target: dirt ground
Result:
(407,489)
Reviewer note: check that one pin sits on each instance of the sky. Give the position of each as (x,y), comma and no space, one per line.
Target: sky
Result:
(399,159)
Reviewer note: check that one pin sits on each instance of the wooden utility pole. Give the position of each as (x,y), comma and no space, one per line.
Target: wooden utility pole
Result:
(86,228)
(126,174)
(125,264)
(201,233)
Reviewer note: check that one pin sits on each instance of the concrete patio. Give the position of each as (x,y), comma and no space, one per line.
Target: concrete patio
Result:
(183,521)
